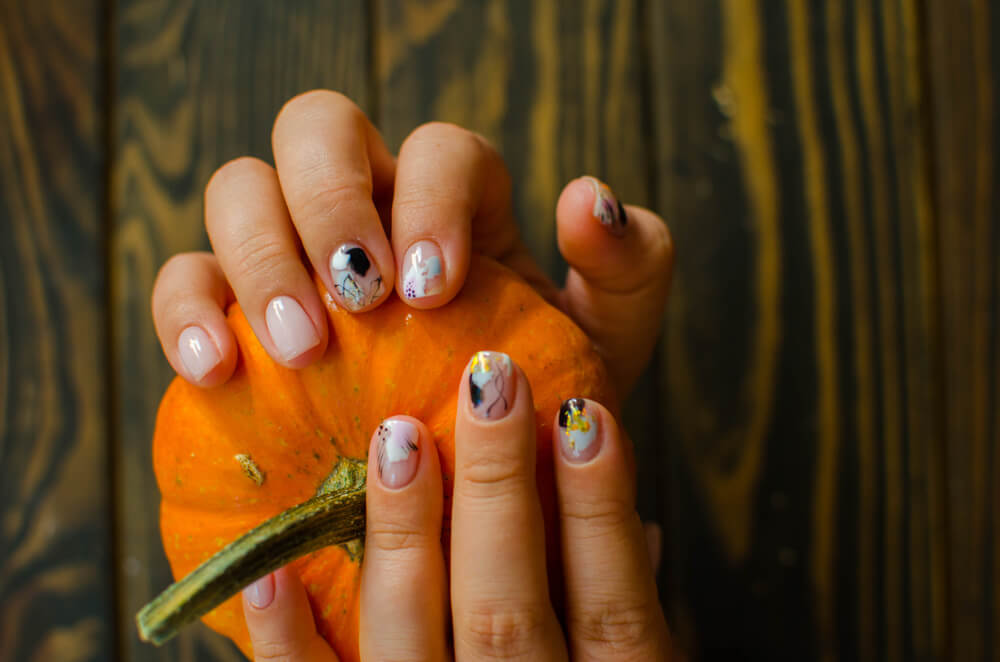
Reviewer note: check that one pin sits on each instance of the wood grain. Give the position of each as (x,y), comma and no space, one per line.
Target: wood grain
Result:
(197,84)
(800,368)
(56,591)
(963,59)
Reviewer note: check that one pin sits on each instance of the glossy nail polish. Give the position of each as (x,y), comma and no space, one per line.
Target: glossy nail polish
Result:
(397,445)
(491,385)
(578,431)
(607,209)
(423,270)
(197,351)
(356,278)
(291,329)
(261,592)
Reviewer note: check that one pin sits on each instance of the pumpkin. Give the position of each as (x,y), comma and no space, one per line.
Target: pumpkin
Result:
(249,452)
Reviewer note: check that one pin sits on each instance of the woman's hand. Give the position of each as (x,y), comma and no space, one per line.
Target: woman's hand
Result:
(339,202)
(498,606)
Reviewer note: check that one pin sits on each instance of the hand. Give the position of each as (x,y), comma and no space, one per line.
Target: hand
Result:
(498,606)
(367,224)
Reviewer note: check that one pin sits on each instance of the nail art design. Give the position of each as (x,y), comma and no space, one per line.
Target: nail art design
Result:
(577,430)
(355,277)
(423,278)
(491,384)
(396,446)
(607,209)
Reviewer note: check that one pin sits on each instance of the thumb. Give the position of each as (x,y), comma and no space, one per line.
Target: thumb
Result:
(620,260)
(281,622)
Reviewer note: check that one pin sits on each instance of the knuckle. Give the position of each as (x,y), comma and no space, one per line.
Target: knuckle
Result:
(600,518)
(259,256)
(326,198)
(276,650)
(620,625)
(495,477)
(501,632)
(393,538)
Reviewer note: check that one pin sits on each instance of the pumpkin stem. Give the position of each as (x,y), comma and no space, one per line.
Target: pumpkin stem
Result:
(335,515)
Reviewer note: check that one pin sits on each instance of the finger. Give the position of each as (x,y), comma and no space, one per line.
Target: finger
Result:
(620,261)
(403,581)
(499,585)
(330,159)
(256,246)
(280,621)
(612,608)
(190,296)
(452,193)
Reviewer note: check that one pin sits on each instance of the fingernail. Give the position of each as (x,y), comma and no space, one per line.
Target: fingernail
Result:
(423,269)
(291,329)
(397,447)
(355,277)
(198,352)
(491,385)
(578,432)
(607,209)
(261,592)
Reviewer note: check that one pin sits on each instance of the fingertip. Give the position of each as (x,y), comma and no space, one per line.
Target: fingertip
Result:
(205,353)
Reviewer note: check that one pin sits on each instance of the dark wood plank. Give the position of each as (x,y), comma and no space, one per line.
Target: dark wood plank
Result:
(557,88)
(56,590)
(197,84)
(799,368)
(963,60)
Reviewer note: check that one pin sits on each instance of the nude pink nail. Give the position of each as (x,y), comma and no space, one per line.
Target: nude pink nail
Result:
(261,592)
(291,329)
(197,351)
(397,446)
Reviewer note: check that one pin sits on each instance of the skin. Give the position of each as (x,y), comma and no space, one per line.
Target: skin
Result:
(333,182)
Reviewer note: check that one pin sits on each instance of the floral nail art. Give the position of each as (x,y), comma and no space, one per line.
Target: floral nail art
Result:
(355,277)
(396,448)
(607,209)
(423,278)
(577,430)
(491,384)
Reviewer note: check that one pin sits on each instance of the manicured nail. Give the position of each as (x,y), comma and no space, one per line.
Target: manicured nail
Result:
(423,270)
(491,385)
(261,592)
(578,433)
(198,353)
(607,209)
(397,446)
(355,277)
(291,329)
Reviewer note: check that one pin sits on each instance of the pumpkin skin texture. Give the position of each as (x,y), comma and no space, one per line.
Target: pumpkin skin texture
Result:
(295,424)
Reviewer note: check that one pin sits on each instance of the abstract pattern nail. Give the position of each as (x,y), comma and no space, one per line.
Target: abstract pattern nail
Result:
(396,448)
(491,384)
(577,431)
(423,276)
(355,277)
(607,209)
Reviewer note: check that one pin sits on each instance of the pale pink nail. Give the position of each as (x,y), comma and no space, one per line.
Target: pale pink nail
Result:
(198,352)
(261,592)
(397,444)
(491,385)
(423,270)
(291,329)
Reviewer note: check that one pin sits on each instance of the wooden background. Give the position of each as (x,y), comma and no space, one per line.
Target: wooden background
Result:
(829,378)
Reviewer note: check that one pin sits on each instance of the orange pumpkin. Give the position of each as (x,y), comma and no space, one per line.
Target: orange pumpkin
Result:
(229,458)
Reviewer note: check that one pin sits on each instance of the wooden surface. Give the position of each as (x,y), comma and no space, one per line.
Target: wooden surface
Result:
(818,431)
(56,600)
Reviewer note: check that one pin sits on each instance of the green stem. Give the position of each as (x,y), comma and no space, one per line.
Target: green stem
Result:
(335,515)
